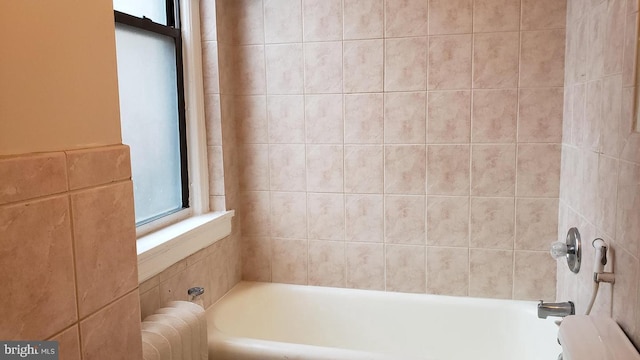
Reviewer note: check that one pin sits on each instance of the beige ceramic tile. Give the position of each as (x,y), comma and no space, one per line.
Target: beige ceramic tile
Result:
(448,221)
(289,261)
(449,117)
(250,65)
(542,58)
(113,332)
(363,19)
(289,215)
(494,116)
(625,290)
(630,49)
(405,169)
(27,230)
(404,219)
(448,169)
(97,166)
(256,259)
(363,169)
(406,268)
(208,25)
(447,271)
(325,216)
(491,273)
(363,118)
(149,302)
(31,176)
(495,60)
(364,218)
(492,223)
(284,68)
(285,114)
(496,15)
(606,195)
(105,245)
(536,223)
(245,21)
(450,16)
(404,118)
(213,121)
(405,64)
(287,167)
(450,62)
(365,266)
(68,343)
(493,170)
(405,18)
(253,166)
(628,208)
(534,276)
(543,14)
(538,170)
(324,122)
(323,67)
(327,263)
(596,36)
(612,109)
(322,20)
(251,119)
(325,168)
(254,213)
(210,71)
(282,21)
(540,115)
(363,65)
(614,40)
(216,171)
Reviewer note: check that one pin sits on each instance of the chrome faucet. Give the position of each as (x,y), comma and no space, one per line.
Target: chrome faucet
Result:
(555,309)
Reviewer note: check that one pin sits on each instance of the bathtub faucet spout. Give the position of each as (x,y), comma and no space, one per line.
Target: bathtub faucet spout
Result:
(555,309)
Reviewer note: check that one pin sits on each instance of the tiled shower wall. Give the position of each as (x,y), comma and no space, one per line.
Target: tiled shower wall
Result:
(600,186)
(406,146)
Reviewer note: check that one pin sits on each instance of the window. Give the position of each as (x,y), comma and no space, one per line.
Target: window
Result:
(152,105)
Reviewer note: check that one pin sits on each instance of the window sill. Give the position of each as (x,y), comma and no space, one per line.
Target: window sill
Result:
(163,248)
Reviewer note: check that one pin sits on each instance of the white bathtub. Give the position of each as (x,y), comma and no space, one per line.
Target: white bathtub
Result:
(276,321)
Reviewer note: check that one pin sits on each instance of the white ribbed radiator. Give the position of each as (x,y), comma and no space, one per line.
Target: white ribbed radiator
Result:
(175,332)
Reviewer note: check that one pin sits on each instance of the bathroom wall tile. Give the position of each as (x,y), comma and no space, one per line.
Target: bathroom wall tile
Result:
(324,121)
(104,237)
(250,65)
(491,273)
(149,302)
(406,18)
(113,332)
(97,166)
(363,19)
(365,266)
(536,223)
(448,170)
(325,168)
(534,276)
(289,215)
(493,170)
(287,167)
(612,109)
(289,261)
(596,37)
(450,16)
(210,70)
(542,58)
(494,116)
(496,15)
(405,118)
(216,171)
(630,49)
(448,221)
(567,113)
(364,218)
(254,213)
(363,169)
(628,208)
(322,20)
(325,216)
(213,120)
(540,115)
(538,170)
(495,59)
(363,65)
(285,114)
(251,119)
(245,21)
(450,62)
(256,258)
(625,290)
(614,36)
(284,68)
(405,169)
(68,343)
(449,117)
(406,269)
(282,21)
(543,14)
(447,271)
(405,64)
(31,176)
(607,188)
(27,229)
(208,27)
(327,263)
(404,219)
(363,118)
(578,118)
(492,223)
(253,166)
(323,67)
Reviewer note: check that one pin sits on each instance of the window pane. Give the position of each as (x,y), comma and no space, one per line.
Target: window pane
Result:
(155,10)
(149,118)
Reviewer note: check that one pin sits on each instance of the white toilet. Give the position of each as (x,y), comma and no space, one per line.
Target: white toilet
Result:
(594,338)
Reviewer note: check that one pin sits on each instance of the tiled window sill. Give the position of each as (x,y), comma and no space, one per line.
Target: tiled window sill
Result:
(163,248)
